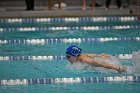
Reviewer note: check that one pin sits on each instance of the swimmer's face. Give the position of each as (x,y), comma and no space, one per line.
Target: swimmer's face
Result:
(71,59)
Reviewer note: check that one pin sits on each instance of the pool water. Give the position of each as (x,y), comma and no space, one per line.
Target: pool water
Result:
(61,68)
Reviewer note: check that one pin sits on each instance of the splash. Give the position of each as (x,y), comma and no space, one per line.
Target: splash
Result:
(136,66)
(78,66)
(112,60)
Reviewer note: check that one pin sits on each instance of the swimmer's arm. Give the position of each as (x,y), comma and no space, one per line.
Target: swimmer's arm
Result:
(101,64)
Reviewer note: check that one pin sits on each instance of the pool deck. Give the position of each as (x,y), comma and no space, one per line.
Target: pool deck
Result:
(69,12)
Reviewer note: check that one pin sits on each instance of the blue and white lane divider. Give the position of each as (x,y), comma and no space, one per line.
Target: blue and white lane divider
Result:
(70,80)
(68,40)
(10,58)
(70,19)
(84,28)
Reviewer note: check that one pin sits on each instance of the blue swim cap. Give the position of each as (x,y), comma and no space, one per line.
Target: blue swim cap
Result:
(73,50)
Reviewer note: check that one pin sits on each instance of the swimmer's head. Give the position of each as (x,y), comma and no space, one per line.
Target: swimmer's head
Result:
(73,51)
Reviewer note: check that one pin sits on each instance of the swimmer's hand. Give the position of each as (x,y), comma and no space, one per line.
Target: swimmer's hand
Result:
(104,56)
(122,69)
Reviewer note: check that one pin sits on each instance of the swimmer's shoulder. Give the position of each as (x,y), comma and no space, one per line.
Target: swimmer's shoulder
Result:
(89,55)
(82,57)
(85,56)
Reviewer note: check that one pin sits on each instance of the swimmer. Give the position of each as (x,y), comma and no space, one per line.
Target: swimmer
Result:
(73,54)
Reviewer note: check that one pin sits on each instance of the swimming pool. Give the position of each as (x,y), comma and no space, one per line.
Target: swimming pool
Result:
(32,58)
